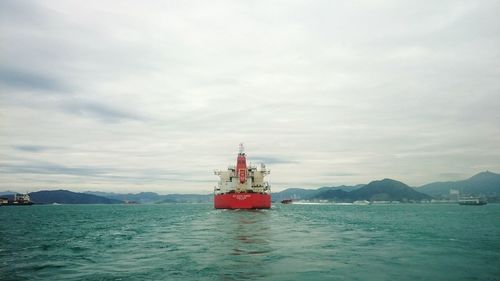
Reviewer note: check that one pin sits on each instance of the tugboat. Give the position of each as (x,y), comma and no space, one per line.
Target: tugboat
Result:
(242,186)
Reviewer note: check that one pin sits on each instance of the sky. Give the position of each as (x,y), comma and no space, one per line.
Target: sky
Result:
(131,96)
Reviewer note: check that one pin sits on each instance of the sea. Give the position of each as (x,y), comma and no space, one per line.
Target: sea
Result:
(286,242)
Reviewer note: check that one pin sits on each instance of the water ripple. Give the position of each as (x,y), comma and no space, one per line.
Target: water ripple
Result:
(288,242)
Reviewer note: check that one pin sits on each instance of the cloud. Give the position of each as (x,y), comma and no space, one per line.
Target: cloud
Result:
(49,168)
(270,160)
(341,174)
(98,111)
(105,174)
(154,96)
(15,78)
(32,148)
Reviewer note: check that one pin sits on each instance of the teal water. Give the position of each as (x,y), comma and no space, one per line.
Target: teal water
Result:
(287,242)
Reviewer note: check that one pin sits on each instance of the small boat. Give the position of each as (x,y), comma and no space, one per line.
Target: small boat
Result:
(286,201)
(473,201)
(361,202)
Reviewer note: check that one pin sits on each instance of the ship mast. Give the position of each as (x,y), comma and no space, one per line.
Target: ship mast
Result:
(241,149)
(241,165)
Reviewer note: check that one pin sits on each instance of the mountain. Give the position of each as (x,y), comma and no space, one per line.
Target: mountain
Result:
(485,183)
(186,198)
(333,195)
(304,194)
(142,197)
(68,197)
(152,197)
(293,193)
(388,190)
(382,190)
(7,194)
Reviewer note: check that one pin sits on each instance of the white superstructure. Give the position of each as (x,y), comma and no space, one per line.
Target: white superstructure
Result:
(229,181)
(253,179)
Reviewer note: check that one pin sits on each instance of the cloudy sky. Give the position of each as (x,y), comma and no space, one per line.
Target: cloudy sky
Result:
(132,96)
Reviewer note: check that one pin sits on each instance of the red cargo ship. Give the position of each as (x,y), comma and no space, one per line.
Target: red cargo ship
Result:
(242,186)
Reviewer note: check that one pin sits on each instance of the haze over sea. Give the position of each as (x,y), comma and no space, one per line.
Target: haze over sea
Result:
(287,242)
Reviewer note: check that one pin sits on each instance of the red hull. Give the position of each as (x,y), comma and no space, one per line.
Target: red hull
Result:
(242,201)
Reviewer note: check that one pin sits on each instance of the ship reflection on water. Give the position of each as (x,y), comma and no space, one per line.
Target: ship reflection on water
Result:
(252,236)
(245,241)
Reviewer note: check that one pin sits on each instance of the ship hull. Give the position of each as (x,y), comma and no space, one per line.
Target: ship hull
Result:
(472,201)
(478,203)
(242,201)
(17,204)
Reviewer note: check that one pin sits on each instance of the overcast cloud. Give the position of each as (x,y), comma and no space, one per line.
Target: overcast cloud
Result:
(132,96)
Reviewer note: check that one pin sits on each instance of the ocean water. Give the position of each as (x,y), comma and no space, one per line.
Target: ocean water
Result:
(287,242)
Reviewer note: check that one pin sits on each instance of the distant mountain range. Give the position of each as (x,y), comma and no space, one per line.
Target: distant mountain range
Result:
(142,197)
(68,197)
(305,194)
(484,183)
(152,197)
(383,190)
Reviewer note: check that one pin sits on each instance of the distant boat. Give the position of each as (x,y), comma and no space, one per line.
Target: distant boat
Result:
(286,201)
(19,200)
(361,202)
(474,201)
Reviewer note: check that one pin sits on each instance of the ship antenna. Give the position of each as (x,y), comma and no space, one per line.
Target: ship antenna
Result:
(242,149)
